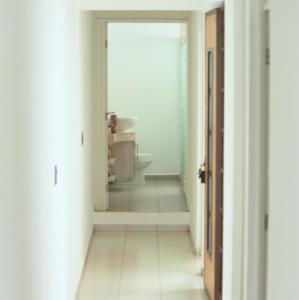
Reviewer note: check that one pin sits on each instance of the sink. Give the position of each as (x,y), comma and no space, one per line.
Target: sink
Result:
(126,124)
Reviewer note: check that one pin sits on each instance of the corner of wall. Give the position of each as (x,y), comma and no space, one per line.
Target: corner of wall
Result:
(83,263)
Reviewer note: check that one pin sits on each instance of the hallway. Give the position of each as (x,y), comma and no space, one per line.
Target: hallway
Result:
(61,239)
(143,266)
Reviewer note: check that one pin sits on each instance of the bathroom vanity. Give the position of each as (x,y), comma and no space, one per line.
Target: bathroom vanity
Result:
(122,149)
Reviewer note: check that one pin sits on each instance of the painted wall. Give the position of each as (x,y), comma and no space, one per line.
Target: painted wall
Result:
(183,102)
(195,135)
(283,263)
(44,228)
(94,102)
(144,81)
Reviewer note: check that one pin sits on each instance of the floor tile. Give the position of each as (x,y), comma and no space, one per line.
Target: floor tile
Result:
(176,282)
(190,295)
(170,262)
(118,205)
(168,182)
(173,228)
(141,265)
(97,297)
(140,284)
(105,285)
(108,237)
(110,228)
(154,196)
(174,239)
(141,228)
(143,204)
(141,239)
(140,297)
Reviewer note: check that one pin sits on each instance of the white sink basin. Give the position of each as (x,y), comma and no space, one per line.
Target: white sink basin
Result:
(126,124)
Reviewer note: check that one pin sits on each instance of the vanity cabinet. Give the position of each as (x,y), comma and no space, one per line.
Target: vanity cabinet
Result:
(122,147)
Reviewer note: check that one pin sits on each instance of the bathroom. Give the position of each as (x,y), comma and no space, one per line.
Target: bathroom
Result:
(147,116)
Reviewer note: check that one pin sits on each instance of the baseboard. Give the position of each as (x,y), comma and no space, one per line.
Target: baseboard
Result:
(87,251)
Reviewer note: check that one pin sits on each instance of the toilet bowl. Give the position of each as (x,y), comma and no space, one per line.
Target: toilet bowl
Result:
(142,161)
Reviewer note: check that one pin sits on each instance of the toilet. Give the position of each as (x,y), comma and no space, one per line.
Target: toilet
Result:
(142,161)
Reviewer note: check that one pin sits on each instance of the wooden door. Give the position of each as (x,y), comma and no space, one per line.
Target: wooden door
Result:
(214,153)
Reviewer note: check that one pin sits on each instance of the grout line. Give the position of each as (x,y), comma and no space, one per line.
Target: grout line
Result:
(122,263)
(159,264)
(129,200)
(157,197)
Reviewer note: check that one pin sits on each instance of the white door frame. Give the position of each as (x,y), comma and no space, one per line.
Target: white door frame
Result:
(99,57)
(102,201)
(245,149)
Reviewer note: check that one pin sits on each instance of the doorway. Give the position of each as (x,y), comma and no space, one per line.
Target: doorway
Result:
(147,96)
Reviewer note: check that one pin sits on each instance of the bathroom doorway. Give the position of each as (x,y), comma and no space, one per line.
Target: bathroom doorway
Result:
(147,116)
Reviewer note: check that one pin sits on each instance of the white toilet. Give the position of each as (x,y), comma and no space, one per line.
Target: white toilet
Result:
(142,161)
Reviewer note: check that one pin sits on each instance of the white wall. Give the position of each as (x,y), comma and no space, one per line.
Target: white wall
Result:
(234,149)
(144,81)
(11,170)
(195,133)
(44,228)
(94,106)
(283,263)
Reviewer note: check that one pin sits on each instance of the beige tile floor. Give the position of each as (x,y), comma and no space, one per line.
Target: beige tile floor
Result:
(154,196)
(141,266)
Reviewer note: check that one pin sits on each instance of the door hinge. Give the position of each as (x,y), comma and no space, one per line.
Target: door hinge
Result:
(268,56)
(106,44)
(266,222)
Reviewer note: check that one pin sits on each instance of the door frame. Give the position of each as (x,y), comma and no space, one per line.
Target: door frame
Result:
(101,21)
(245,151)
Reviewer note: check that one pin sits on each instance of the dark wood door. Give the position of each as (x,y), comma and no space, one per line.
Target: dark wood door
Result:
(214,153)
